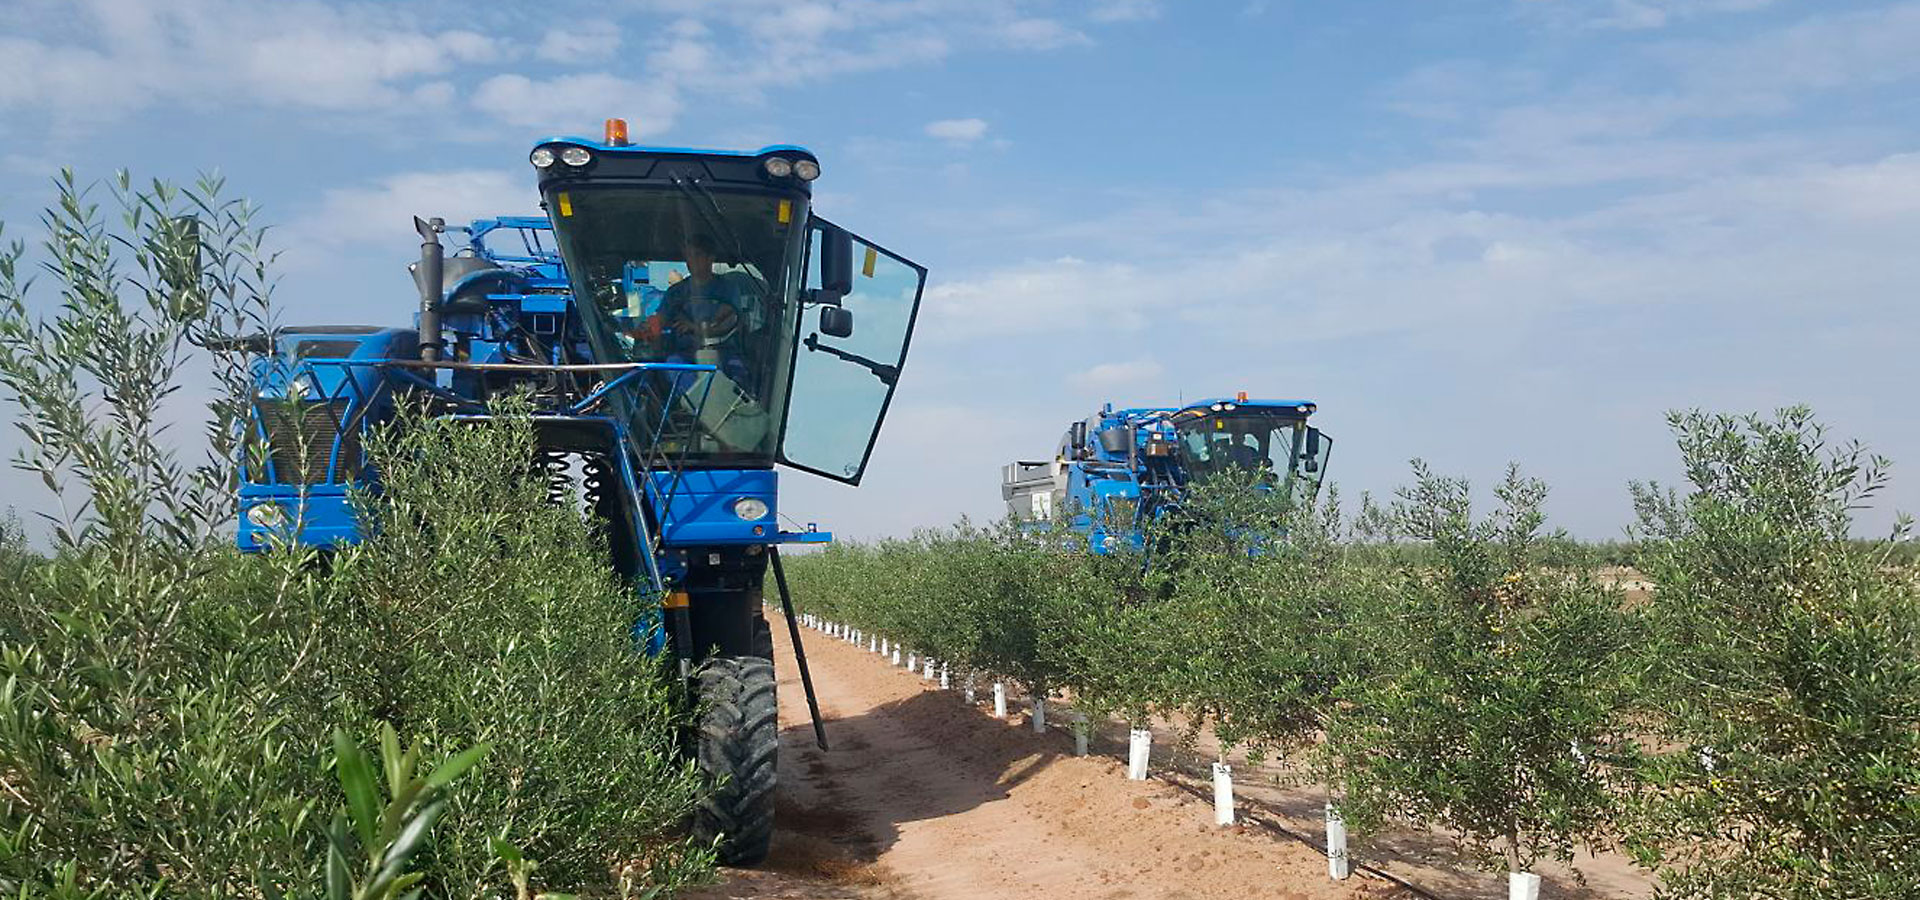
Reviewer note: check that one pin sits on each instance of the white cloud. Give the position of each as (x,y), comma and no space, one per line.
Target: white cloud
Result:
(1041,34)
(1637,15)
(1125,10)
(90,62)
(562,103)
(958,130)
(380,213)
(204,52)
(580,42)
(1121,374)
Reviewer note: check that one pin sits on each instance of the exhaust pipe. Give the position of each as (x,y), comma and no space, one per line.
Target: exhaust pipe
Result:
(428,276)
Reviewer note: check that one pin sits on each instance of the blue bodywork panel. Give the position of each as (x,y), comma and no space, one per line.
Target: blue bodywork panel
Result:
(700,509)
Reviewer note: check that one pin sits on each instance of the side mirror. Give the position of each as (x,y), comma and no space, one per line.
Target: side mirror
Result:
(1077,437)
(836,321)
(1313,443)
(836,264)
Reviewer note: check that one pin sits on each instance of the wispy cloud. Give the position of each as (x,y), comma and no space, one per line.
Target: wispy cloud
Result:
(580,42)
(88,63)
(1041,34)
(1107,376)
(958,130)
(1636,15)
(208,52)
(379,213)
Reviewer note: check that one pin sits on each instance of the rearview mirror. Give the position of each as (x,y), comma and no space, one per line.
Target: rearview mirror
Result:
(836,264)
(1310,456)
(836,321)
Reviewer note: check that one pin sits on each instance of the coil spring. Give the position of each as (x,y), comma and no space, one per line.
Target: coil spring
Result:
(597,478)
(553,463)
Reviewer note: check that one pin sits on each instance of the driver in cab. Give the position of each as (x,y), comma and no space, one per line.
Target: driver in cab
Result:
(706,316)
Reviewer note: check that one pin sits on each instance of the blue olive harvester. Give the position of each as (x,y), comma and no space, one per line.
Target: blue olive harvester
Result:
(666,389)
(1118,470)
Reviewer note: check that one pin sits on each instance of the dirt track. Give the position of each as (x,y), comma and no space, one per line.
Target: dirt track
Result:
(924,796)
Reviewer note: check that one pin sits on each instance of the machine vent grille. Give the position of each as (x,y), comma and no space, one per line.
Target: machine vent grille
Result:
(325,349)
(300,438)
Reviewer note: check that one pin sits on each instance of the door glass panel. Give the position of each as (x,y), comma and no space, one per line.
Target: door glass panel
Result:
(842,385)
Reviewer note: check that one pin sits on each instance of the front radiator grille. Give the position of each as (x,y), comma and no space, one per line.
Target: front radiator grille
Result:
(299,441)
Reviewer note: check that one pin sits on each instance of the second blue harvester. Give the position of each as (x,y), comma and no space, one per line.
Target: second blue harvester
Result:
(1120,469)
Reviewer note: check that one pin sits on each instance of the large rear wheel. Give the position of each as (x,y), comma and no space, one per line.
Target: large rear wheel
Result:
(738,738)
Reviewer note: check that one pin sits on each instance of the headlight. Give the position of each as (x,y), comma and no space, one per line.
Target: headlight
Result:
(541,157)
(750,508)
(576,156)
(266,515)
(779,166)
(1109,542)
(807,169)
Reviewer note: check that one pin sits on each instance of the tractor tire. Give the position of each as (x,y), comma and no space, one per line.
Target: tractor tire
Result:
(738,737)
(762,638)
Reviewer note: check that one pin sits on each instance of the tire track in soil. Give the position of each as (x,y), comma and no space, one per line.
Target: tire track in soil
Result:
(924,797)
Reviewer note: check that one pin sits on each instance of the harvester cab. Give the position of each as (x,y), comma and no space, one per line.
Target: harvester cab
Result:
(1118,470)
(683,323)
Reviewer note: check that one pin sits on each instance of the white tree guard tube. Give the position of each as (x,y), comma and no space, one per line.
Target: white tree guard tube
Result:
(1523,886)
(896,654)
(873,644)
(913,660)
(930,672)
(943,676)
(1040,714)
(999,699)
(970,694)
(1222,794)
(885,647)
(1080,737)
(1338,866)
(1139,744)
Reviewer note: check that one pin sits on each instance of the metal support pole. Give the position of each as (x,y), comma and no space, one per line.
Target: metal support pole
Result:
(799,652)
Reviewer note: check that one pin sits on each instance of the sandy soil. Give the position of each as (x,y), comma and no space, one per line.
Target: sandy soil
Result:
(925,796)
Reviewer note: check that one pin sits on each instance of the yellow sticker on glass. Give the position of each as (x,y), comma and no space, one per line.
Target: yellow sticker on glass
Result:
(566,204)
(873,256)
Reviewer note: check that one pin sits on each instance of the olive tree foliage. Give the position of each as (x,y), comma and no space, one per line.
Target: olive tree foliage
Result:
(167,704)
(1784,670)
(1489,705)
(173,272)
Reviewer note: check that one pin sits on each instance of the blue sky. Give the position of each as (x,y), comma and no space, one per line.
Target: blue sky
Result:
(1474,231)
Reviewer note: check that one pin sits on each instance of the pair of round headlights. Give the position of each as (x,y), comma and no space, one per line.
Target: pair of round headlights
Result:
(545,157)
(782,167)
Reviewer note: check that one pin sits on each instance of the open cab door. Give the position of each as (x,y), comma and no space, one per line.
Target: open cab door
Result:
(858,306)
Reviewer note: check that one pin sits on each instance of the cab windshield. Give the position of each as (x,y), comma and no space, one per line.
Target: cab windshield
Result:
(1213,443)
(688,274)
